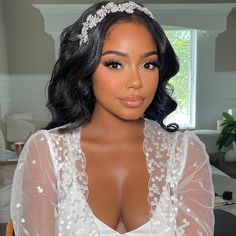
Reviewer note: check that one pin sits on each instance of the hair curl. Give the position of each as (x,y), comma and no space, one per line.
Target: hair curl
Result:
(70,94)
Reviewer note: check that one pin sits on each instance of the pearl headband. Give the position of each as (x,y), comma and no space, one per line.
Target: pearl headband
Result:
(93,20)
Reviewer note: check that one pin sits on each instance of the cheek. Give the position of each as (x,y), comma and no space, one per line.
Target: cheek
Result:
(151,84)
(104,82)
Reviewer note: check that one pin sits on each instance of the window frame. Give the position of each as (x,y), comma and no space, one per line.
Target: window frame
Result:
(192,81)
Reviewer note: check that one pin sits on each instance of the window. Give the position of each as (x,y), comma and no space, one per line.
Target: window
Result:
(184,44)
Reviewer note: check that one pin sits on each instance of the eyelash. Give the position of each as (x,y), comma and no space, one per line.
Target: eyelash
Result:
(114,64)
(155,64)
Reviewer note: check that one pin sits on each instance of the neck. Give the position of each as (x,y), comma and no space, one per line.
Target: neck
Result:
(109,126)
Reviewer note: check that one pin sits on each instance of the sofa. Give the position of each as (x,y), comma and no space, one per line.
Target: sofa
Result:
(216,156)
(17,128)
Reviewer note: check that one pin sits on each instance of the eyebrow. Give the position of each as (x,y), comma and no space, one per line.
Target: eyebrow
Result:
(122,54)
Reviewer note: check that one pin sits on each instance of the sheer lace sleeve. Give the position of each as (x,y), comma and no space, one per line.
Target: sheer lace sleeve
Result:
(195,191)
(34,192)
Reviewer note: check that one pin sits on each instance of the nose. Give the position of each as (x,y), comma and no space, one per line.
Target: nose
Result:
(134,79)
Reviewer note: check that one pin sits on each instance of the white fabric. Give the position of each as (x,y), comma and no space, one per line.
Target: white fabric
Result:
(50,186)
(105,230)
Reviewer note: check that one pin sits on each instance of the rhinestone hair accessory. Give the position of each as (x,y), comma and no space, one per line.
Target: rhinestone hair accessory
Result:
(93,20)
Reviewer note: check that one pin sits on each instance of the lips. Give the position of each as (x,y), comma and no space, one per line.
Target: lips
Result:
(132,101)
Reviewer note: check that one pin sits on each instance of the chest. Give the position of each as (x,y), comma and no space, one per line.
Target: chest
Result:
(117,183)
(134,172)
(115,174)
(119,162)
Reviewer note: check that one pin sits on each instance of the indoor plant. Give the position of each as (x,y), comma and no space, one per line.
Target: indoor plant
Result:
(228,133)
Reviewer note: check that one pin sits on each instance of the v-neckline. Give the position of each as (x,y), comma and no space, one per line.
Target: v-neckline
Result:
(99,222)
(96,220)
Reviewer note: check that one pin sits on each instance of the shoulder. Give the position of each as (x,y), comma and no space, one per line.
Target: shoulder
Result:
(49,135)
(192,154)
(154,130)
(193,143)
(180,138)
(189,148)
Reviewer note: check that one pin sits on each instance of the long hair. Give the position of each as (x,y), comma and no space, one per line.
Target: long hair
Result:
(70,95)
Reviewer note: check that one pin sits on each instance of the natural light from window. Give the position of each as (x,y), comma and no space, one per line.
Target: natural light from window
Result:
(184,83)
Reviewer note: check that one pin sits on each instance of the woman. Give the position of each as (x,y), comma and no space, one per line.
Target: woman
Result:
(107,164)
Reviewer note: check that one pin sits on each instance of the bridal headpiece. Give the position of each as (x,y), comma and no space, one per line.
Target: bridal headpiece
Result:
(93,20)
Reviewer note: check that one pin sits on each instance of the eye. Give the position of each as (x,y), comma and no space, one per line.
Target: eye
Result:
(150,65)
(113,64)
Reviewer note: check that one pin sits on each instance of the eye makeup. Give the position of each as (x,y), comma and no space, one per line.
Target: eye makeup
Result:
(113,63)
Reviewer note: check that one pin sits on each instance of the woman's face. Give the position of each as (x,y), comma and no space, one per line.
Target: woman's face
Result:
(127,76)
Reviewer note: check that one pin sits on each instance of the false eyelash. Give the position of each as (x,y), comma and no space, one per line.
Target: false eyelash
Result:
(155,63)
(108,62)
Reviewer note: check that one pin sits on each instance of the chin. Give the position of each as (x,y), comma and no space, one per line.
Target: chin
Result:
(130,117)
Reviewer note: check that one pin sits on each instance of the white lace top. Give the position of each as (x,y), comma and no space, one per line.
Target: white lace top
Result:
(50,186)
(105,230)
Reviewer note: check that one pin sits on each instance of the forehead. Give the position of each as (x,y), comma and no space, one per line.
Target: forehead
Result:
(129,34)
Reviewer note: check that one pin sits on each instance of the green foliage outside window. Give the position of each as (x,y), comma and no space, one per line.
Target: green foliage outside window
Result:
(183,44)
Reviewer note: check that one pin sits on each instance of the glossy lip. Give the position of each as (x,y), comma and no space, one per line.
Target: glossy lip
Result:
(132,101)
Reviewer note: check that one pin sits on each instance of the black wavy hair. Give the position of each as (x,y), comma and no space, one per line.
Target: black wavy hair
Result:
(70,94)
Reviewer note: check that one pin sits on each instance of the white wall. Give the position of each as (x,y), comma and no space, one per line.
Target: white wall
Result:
(3,41)
(215,90)
(28,94)
(23,93)
(4,78)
